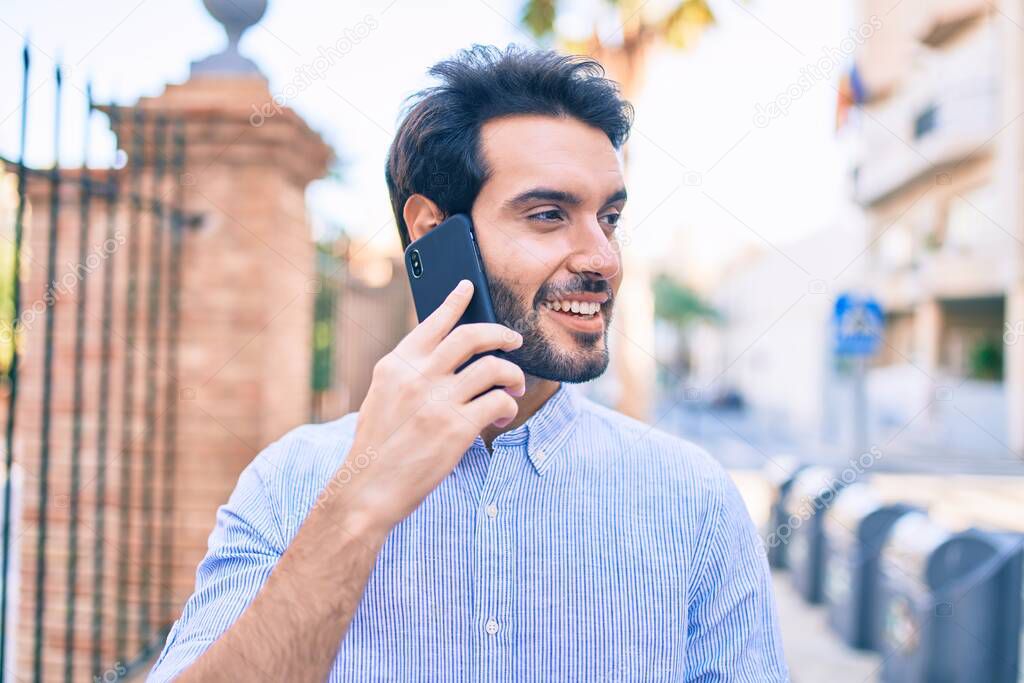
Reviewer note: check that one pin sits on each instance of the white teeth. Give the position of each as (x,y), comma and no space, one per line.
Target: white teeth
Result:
(580,307)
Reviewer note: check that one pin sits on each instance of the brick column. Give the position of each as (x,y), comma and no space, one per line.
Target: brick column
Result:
(249,282)
(244,355)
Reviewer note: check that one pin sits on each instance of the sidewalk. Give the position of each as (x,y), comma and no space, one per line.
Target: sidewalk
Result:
(814,653)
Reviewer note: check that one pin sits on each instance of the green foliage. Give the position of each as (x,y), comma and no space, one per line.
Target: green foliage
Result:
(323,337)
(6,304)
(685,24)
(681,26)
(539,17)
(678,304)
(324,320)
(986,359)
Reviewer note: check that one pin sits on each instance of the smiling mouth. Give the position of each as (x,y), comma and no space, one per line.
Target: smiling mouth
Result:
(585,310)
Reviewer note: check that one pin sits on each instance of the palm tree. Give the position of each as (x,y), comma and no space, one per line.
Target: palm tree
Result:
(678,28)
(625,62)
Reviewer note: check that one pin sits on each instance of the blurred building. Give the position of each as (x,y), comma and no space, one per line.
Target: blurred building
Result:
(934,229)
(772,344)
(938,174)
(364,307)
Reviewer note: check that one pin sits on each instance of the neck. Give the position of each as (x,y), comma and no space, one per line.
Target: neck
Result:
(538,391)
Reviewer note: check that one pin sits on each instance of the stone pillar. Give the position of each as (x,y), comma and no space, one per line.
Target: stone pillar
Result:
(244,352)
(248,287)
(928,335)
(632,340)
(248,280)
(1010,179)
(1013,376)
(928,344)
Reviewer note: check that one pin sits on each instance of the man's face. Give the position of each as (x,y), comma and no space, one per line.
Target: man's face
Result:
(545,223)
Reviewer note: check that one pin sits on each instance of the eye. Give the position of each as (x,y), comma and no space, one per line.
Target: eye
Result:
(612,219)
(548,216)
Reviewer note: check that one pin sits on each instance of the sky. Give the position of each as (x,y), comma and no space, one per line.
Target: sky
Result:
(710,174)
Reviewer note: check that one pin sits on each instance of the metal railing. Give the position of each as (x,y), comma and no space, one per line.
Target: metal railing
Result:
(132,546)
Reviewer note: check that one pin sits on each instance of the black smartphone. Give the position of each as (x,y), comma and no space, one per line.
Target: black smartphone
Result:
(437,262)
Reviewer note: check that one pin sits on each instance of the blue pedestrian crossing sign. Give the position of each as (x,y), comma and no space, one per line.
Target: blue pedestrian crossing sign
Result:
(859,324)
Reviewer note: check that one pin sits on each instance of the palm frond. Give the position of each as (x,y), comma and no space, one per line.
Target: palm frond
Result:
(539,17)
(684,25)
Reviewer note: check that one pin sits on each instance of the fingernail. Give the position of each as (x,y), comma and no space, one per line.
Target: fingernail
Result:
(463,286)
(518,392)
(503,422)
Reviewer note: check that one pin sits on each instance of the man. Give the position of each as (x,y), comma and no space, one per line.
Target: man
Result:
(490,524)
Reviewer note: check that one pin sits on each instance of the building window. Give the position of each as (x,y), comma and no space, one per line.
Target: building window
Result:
(970,221)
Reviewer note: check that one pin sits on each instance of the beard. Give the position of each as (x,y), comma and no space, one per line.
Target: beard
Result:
(541,357)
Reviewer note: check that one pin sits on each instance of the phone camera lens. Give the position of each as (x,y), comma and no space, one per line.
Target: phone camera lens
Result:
(417,265)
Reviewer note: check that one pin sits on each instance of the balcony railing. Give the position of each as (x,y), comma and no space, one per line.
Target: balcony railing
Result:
(948,111)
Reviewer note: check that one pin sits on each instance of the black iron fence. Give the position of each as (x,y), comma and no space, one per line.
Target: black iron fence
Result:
(102,463)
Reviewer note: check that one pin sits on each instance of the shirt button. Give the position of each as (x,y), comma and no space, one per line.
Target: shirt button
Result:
(492,510)
(539,455)
(492,626)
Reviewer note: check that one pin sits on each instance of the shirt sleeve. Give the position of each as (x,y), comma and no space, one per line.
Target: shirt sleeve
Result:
(733,631)
(243,548)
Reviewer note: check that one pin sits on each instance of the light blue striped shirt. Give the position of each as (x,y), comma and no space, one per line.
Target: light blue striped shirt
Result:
(587,547)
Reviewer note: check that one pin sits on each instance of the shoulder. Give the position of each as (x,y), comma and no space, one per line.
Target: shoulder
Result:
(678,479)
(631,443)
(295,468)
(678,482)
(307,451)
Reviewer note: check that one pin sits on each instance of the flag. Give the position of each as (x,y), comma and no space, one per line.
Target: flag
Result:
(851,93)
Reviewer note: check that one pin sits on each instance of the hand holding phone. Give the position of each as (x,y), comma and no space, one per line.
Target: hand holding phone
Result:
(438,261)
(420,414)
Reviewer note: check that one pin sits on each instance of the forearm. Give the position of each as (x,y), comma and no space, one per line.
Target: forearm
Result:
(406,442)
(294,626)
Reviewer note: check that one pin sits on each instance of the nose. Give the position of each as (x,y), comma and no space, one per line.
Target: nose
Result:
(595,255)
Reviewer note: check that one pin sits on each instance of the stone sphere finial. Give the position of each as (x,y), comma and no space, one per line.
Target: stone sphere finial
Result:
(236,16)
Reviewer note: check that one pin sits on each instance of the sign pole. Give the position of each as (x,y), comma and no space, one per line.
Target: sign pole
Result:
(859,324)
(860,407)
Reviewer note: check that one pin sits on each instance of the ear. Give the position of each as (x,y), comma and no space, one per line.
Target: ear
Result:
(421,215)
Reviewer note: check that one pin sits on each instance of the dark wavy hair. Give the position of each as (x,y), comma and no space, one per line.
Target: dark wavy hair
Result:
(436,151)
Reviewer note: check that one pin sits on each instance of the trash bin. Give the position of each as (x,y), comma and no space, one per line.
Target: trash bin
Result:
(856,526)
(968,622)
(905,596)
(962,622)
(811,494)
(781,473)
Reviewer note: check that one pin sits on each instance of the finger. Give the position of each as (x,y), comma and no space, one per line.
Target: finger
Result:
(494,406)
(465,341)
(439,323)
(487,372)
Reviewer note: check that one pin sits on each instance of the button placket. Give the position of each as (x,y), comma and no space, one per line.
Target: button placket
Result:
(471,471)
(491,573)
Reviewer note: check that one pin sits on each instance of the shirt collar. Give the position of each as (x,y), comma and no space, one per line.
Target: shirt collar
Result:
(546,430)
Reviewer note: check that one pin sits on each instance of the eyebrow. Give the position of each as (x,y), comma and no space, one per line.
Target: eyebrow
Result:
(559,196)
